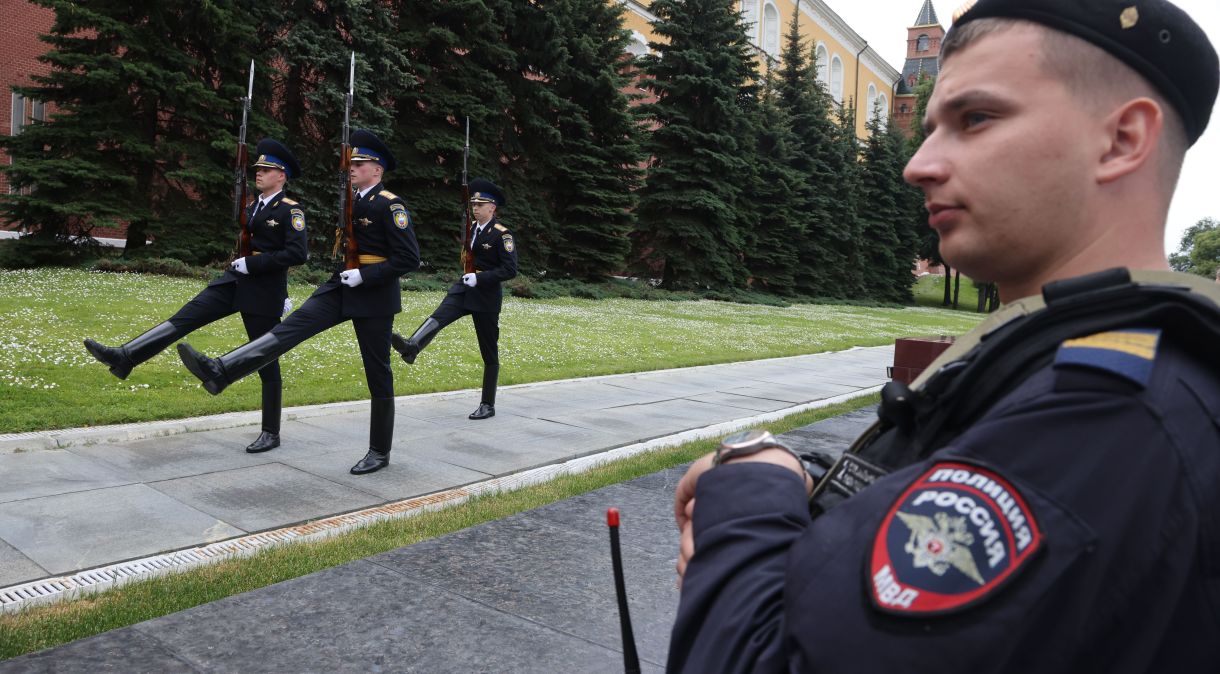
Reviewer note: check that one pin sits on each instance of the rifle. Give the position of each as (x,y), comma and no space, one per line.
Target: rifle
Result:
(467,258)
(344,236)
(241,176)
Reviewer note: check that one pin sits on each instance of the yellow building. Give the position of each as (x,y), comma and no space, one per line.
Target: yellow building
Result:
(853,73)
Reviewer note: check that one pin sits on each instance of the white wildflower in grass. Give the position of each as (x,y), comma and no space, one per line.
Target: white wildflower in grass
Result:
(48,380)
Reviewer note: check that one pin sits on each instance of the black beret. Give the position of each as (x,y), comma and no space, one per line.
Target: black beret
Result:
(273,154)
(482,189)
(1154,37)
(366,146)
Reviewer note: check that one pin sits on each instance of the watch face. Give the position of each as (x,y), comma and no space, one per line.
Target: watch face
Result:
(745,438)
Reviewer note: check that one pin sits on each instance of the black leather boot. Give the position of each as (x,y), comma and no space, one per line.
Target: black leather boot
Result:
(487,407)
(381,437)
(123,359)
(485,411)
(410,348)
(270,437)
(217,373)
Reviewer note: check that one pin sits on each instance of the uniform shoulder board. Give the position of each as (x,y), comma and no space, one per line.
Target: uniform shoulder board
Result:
(1126,353)
(288,201)
(387,194)
(501,228)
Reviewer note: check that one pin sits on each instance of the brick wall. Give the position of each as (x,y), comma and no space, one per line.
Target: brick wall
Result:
(23,23)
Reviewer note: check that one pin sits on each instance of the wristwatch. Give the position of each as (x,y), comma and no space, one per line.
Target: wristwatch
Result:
(748,442)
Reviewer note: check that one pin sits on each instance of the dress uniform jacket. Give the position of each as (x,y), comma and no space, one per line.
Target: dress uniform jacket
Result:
(495,261)
(1074,528)
(278,241)
(382,227)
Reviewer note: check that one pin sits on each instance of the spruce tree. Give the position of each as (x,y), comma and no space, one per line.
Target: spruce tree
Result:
(845,240)
(701,73)
(772,246)
(461,67)
(885,208)
(595,163)
(144,99)
(305,50)
(806,103)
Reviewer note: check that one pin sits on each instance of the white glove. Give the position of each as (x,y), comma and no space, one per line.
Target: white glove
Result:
(350,278)
(287,306)
(470,280)
(239,265)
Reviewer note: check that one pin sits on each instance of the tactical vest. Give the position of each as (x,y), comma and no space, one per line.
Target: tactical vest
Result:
(994,359)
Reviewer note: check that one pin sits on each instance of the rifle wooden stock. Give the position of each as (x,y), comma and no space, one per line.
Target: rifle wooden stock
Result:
(467,257)
(244,245)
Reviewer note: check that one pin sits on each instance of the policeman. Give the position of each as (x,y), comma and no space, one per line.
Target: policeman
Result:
(1045,499)
(478,294)
(255,285)
(368,296)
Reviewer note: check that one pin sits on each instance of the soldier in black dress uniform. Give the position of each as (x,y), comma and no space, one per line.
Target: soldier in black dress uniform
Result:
(478,294)
(368,296)
(256,286)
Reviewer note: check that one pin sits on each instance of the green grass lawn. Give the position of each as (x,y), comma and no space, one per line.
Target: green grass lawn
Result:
(48,380)
(930,292)
(40,627)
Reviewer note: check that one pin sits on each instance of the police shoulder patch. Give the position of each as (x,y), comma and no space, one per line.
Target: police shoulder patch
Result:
(288,201)
(387,194)
(401,219)
(508,242)
(951,540)
(1126,353)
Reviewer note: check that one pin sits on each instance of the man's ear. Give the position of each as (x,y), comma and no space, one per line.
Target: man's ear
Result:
(1133,131)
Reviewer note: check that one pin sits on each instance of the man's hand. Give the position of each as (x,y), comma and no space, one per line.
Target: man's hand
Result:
(470,280)
(684,495)
(684,509)
(239,266)
(350,278)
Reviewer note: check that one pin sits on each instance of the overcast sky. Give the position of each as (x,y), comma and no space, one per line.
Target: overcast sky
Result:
(883,24)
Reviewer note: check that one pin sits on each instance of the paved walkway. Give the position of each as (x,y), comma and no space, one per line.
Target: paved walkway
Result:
(74,500)
(529,593)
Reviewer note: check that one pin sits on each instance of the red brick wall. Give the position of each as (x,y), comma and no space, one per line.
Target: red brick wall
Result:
(19,30)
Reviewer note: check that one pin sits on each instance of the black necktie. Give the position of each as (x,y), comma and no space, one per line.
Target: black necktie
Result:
(257,208)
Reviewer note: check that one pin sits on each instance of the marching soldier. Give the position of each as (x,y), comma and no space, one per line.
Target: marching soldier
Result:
(479,294)
(368,296)
(255,285)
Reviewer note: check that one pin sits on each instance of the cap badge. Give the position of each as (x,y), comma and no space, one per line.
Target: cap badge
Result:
(1129,17)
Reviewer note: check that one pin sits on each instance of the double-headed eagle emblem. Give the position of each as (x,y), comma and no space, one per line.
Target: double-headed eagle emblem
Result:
(940,542)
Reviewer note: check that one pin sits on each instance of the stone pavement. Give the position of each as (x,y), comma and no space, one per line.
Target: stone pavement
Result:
(78,499)
(529,593)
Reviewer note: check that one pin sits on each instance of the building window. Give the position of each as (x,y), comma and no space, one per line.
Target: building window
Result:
(872,101)
(638,45)
(923,43)
(883,111)
(823,65)
(18,114)
(749,16)
(771,29)
(836,78)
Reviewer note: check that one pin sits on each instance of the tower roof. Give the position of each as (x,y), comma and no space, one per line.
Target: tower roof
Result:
(927,15)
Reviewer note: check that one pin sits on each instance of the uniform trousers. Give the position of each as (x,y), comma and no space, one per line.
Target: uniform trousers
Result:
(486,328)
(325,311)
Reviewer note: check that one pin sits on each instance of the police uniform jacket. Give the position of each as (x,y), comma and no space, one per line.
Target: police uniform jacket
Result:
(1074,528)
(495,261)
(279,240)
(386,242)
